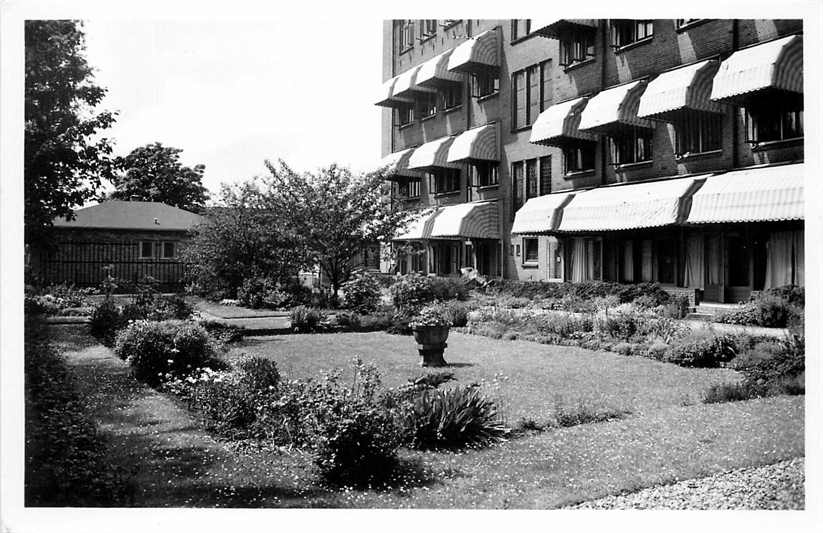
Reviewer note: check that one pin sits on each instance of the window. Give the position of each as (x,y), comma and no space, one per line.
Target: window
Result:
(146,250)
(531,178)
(405,115)
(485,84)
(484,173)
(406,35)
(545,85)
(626,31)
(444,180)
(545,175)
(771,118)
(453,96)
(428,105)
(520,28)
(633,145)
(428,28)
(697,132)
(169,249)
(409,189)
(528,94)
(517,186)
(578,158)
(530,250)
(576,48)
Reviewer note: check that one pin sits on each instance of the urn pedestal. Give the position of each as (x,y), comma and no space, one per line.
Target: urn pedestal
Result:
(431,341)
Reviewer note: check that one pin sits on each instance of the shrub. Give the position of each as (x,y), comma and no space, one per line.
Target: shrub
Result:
(105,321)
(583,413)
(449,288)
(170,308)
(650,294)
(400,325)
(412,291)
(702,349)
(348,320)
(362,293)
(380,321)
(253,290)
(784,371)
(154,349)
(773,308)
(458,313)
(452,418)
(306,319)
(258,374)
(731,392)
(224,333)
(678,307)
(620,325)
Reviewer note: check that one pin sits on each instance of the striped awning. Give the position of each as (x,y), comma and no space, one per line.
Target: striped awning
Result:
(406,84)
(560,122)
(687,87)
(386,96)
(615,107)
(776,64)
(638,205)
(555,28)
(435,72)
(477,54)
(470,220)
(417,228)
(397,164)
(541,214)
(475,144)
(433,154)
(750,195)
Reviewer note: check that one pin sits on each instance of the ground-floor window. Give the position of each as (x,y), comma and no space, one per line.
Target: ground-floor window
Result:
(555,258)
(530,250)
(585,259)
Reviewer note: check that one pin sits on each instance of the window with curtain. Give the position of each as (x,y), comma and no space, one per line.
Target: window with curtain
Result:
(578,158)
(484,84)
(427,104)
(406,35)
(575,48)
(528,95)
(530,250)
(774,118)
(484,173)
(444,180)
(697,132)
(632,145)
(428,28)
(452,96)
(555,259)
(545,175)
(586,257)
(405,115)
(627,31)
(531,178)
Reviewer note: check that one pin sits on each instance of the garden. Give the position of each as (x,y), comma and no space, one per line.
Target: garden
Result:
(342,404)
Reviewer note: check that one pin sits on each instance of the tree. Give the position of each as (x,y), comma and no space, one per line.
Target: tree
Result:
(334,213)
(241,239)
(64,156)
(154,173)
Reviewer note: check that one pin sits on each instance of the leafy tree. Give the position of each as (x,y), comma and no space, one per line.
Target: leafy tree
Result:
(241,239)
(154,173)
(64,156)
(335,213)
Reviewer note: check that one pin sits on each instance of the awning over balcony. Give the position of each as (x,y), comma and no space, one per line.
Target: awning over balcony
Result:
(614,108)
(435,72)
(776,64)
(750,195)
(397,165)
(406,84)
(560,123)
(475,144)
(433,154)
(470,220)
(687,87)
(475,220)
(477,54)
(386,96)
(418,228)
(555,28)
(541,214)
(639,205)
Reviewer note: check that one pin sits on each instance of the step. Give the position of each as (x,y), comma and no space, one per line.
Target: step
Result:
(706,317)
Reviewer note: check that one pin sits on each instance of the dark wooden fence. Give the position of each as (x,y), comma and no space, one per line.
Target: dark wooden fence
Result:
(82,264)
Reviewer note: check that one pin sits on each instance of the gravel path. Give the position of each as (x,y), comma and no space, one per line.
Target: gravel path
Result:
(776,486)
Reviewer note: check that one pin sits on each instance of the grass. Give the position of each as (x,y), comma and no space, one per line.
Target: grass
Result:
(176,463)
(532,380)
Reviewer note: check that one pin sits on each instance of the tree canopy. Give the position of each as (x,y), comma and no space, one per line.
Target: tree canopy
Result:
(65,156)
(154,173)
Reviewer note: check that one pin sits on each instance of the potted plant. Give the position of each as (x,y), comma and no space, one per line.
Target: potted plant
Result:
(431,329)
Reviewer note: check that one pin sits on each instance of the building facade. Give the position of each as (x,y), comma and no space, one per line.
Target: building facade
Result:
(591,149)
(138,239)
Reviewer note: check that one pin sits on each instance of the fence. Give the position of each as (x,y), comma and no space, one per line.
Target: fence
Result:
(82,264)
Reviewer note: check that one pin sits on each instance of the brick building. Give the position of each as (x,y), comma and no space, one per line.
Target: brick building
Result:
(138,238)
(586,149)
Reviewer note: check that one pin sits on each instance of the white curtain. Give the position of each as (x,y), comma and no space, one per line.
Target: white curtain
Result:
(646,257)
(628,260)
(693,275)
(714,261)
(779,259)
(799,259)
(579,259)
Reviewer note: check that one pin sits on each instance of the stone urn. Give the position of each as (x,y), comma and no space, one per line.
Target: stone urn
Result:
(431,341)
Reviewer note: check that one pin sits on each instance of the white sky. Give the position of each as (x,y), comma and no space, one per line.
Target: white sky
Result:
(232,93)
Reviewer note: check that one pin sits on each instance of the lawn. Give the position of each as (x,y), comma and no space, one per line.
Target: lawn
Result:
(531,378)
(176,463)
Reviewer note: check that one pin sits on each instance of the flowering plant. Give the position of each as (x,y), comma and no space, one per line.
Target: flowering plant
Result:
(436,314)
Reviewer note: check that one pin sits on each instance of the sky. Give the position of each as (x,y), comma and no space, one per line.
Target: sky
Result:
(232,93)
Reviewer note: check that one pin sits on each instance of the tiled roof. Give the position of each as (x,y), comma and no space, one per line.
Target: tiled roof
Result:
(120,214)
